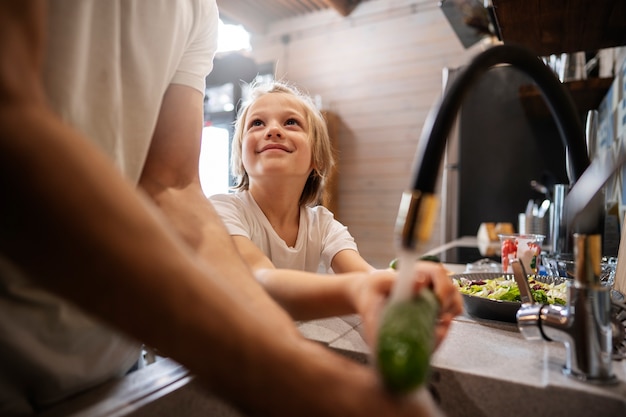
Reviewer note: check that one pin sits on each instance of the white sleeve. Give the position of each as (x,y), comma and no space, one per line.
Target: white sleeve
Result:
(197,60)
(335,236)
(231,213)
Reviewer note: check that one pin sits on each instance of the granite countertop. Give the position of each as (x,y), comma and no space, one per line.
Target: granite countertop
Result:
(487,368)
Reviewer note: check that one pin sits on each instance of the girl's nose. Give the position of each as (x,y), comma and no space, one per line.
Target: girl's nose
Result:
(273,130)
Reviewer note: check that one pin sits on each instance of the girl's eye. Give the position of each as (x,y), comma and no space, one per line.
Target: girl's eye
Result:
(256,122)
(291,122)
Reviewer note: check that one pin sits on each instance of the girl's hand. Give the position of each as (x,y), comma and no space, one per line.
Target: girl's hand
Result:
(435,276)
(371,293)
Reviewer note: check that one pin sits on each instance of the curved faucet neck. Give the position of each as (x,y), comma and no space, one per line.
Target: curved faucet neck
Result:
(441,118)
(439,123)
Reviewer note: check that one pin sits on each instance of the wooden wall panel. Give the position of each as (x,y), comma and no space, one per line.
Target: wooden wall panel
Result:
(379,70)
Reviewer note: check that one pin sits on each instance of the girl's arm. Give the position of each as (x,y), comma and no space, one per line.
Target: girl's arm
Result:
(350,261)
(307,295)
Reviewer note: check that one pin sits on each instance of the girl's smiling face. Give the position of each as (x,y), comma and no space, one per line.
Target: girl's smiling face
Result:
(276,138)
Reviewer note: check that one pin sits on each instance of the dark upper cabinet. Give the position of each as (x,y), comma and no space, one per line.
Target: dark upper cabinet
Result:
(549,27)
(556,26)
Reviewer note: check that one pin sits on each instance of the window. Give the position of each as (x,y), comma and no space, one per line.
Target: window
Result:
(214,160)
(224,91)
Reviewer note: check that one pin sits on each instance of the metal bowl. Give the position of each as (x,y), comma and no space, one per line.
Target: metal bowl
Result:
(562,265)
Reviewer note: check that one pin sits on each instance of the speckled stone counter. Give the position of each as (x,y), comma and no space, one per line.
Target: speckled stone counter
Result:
(487,368)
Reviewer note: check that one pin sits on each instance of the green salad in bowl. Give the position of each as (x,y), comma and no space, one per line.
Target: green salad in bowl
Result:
(505,288)
(496,296)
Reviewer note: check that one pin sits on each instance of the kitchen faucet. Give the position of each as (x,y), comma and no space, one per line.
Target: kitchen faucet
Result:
(418,206)
(583,325)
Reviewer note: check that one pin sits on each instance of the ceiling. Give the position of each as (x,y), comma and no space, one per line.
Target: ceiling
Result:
(257,15)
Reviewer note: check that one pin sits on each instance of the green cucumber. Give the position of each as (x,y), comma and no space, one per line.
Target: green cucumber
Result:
(406,340)
(394,263)
(432,258)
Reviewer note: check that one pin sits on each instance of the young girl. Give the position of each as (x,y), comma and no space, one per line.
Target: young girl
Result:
(281,156)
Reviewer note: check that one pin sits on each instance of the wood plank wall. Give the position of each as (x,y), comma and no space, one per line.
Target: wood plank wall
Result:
(379,70)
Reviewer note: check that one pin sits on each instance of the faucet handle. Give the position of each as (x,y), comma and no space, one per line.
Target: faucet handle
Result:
(529,314)
(521,278)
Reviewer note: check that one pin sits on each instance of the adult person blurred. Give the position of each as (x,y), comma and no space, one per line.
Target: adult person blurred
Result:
(105,236)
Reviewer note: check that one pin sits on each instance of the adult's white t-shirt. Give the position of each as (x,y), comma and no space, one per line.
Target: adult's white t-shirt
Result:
(107,66)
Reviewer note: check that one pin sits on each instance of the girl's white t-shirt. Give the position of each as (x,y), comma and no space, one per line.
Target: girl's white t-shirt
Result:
(320,236)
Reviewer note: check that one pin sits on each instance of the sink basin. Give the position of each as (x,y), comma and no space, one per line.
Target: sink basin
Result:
(487,368)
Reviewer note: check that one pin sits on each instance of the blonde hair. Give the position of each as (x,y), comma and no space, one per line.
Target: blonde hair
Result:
(321,147)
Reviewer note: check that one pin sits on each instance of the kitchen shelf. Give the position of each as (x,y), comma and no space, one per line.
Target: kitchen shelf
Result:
(554,27)
(587,95)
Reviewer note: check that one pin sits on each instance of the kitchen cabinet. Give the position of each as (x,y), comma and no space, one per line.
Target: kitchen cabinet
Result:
(554,27)
(571,26)
(587,95)
(566,26)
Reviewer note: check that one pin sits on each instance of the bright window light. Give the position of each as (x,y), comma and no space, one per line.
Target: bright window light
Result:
(232,38)
(214,161)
